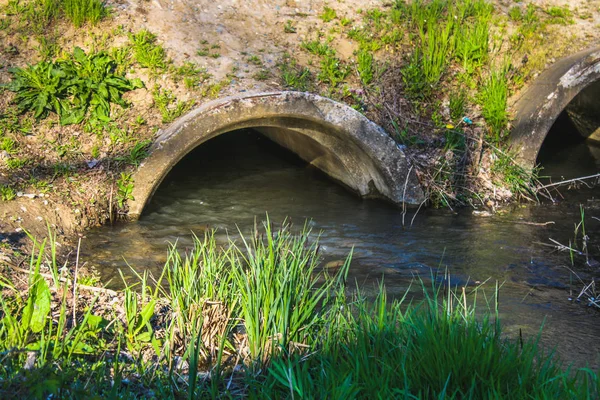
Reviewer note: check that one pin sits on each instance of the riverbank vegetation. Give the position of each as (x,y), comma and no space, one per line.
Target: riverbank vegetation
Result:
(438,75)
(259,318)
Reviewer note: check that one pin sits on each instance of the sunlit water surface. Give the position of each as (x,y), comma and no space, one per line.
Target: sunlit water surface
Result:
(237,178)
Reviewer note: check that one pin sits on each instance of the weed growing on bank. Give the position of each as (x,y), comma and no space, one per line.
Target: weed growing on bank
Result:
(84,85)
(257,318)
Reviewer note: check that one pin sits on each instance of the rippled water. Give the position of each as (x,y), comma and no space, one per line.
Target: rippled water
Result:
(232,180)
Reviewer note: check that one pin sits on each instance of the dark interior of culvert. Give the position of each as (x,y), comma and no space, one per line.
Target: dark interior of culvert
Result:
(572,147)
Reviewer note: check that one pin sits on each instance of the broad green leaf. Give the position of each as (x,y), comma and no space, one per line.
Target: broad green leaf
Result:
(144,337)
(72,116)
(146,314)
(41,305)
(79,55)
(96,322)
(136,83)
(102,90)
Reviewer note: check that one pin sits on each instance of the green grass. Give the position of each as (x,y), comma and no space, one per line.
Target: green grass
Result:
(493,97)
(457,103)
(293,76)
(147,52)
(191,74)
(328,14)
(472,45)
(9,145)
(436,349)
(170,108)
(560,15)
(316,47)
(80,12)
(365,66)
(289,27)
(280,292)
(14,163)
(515,13)
(7,193)
(255,60)
(124,189)
(510,174)
(333,71)
(259,320)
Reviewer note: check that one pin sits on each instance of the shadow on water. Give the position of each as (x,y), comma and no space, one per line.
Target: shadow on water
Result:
(230,181)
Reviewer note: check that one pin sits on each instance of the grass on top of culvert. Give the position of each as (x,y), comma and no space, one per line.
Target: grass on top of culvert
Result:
(258,318)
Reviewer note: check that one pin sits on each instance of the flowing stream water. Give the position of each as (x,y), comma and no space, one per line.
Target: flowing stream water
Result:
(235,179)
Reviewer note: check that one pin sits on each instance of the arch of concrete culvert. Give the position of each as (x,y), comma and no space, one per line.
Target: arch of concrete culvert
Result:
(541,104)
(331,136)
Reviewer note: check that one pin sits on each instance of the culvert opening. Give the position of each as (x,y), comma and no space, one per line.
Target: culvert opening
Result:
(237,176)
(571,148)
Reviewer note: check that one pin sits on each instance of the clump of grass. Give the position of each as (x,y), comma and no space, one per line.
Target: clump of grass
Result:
(365,67)
(16,162)
(170,108)
(316,47)
(365,39)
(472,45)
(137,153)
(147,52)
(192,74)
(7,193)
(261,75)
(124,189)
(493,97)
(293,76)
(254,60)
(560,15)
(215,88)
(289,27)
(328,14)
(515,13)
(333,71)
(457,104)
(9,145)
(280,292)
(510,174)
(437,45)
(414,79)
(83,11)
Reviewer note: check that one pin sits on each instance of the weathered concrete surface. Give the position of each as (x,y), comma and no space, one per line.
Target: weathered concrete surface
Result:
(544,100)
(331,136)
